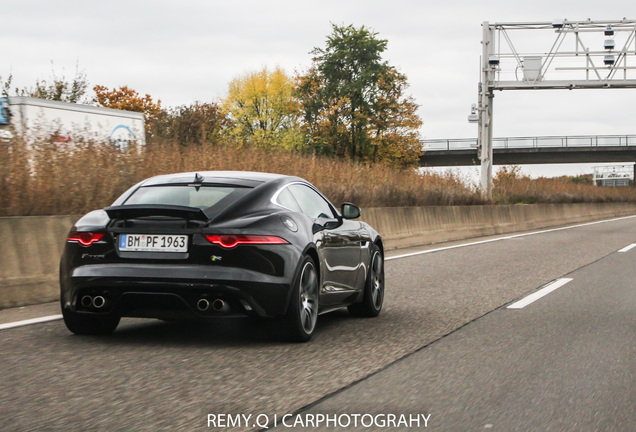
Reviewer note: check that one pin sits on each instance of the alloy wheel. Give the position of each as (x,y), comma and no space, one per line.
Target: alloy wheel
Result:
(377,280)
(308,298)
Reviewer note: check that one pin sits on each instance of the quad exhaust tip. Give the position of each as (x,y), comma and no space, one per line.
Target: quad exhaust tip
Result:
(87,301)
(97,302)
(217,305)
(220,306)
(203,305)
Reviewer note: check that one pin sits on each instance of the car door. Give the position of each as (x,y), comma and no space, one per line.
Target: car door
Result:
(338,244)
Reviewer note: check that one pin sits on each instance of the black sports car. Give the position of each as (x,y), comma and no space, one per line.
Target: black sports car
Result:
(219,244)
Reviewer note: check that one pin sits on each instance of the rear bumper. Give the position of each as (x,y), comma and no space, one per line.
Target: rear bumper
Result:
(172,291)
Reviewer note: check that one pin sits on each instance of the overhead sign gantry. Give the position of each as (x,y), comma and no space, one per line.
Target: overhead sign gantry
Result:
(580,55)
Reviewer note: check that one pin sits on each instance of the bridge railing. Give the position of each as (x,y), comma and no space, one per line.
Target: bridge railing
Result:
(533,142)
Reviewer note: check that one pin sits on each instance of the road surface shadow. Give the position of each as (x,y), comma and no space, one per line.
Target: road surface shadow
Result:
(221,332)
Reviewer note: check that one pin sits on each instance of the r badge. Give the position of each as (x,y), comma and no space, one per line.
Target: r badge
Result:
(215,258)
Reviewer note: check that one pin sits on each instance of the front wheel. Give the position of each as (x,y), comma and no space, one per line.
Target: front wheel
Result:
(373,297)
(89,325)
(299,322)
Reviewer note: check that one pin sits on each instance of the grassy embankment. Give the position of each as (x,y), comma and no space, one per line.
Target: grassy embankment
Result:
(53,179)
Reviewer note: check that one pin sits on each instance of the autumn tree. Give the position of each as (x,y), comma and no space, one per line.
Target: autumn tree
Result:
(125,98)
(263,109)
(198,123)
(353,102)
(57,88)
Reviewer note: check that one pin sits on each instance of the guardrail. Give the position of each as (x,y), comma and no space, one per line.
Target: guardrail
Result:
(534,142)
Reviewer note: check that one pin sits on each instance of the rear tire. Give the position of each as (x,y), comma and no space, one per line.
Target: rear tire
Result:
(373,297)
(89,325)
(299,322)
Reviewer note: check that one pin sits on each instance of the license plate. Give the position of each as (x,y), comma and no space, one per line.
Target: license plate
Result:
(153,243)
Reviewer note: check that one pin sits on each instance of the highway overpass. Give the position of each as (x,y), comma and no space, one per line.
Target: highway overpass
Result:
(532,150)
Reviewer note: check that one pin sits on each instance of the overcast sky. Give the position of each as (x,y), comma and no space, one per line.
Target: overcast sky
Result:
(186,51)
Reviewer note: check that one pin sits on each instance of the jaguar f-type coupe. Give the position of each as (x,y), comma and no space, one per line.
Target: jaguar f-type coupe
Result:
(218,244)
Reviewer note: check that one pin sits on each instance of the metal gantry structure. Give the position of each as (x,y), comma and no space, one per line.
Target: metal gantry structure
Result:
(576,58)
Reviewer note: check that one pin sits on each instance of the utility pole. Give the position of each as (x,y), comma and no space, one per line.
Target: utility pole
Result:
(489,65)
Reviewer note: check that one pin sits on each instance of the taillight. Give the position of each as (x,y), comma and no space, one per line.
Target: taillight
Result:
(85,238)
(229,241)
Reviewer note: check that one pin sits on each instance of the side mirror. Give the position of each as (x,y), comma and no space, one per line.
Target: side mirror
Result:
(350,211)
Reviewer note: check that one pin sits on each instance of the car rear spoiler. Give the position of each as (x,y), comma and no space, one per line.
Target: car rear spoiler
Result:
(140,210)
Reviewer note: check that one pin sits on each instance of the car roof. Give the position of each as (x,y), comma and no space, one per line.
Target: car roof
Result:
(246,178)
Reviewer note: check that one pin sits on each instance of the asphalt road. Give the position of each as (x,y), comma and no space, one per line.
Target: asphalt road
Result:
(566,362)
(444,346)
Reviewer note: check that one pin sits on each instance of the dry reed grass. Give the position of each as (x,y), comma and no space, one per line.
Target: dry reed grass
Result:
(511,187)
(51,178)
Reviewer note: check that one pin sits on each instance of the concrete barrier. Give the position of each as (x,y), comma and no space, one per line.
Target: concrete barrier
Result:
(30,247)
(412,226)
(30,250)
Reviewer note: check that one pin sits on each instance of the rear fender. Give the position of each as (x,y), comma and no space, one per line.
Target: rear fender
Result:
(311,251)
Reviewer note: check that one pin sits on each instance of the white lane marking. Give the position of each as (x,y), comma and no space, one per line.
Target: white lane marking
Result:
(30,321)
(626,248)
(538,294)
(504,238)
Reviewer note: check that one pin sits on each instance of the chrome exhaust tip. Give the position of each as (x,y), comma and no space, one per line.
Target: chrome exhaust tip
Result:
(86,301)
(203,305)
(219,305)
(99,302)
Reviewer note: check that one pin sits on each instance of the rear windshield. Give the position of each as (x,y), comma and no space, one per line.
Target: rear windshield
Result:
(207,198)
